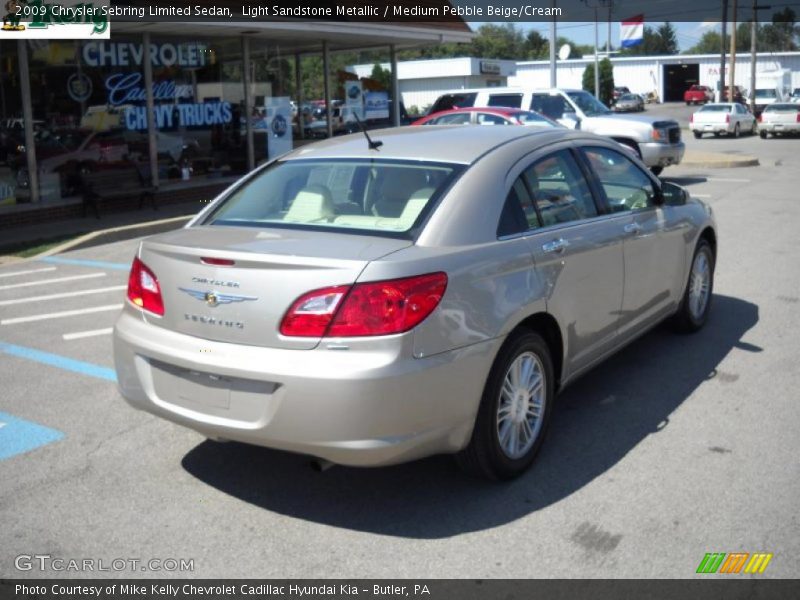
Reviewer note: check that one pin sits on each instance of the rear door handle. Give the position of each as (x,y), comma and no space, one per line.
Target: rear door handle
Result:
(555,246)
(632,228)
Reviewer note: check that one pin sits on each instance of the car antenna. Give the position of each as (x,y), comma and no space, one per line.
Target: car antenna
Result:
(373,145)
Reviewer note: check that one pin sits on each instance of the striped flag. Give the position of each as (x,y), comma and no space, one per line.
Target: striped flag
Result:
(631,32)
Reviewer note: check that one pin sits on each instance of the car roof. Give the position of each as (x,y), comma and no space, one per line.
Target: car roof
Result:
(501,110)
(507,90)
(438,143)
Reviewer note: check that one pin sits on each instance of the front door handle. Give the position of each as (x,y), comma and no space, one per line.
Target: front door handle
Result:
(632,228)
(555,246)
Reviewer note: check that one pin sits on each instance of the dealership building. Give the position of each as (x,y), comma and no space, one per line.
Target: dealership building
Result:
(422,81)
(667,76)
(182,104)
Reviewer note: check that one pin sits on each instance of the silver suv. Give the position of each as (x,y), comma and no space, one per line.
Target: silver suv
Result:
(655,140)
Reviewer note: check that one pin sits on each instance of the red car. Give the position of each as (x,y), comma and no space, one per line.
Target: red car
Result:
(698,94)
(487,116)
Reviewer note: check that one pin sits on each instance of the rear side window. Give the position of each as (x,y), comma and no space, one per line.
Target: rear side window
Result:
(626,186)
(506,100)
(376,196)
(454,119)
(490,119)
(451,101)
(560,191)
(519,214)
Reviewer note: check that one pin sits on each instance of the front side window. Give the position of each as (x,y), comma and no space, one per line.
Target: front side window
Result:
(560,191)
(550,106)
(626,186)
(377,196)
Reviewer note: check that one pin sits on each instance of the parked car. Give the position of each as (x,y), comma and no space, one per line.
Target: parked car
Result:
(656,140)
(374,306)
(780,119)
(795,95)
(487,116)
(619,91)
(74,152)
(628,103)
(739,94)
(730,118)
(698,94)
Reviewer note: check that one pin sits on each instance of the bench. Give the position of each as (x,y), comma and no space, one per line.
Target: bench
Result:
(109,184)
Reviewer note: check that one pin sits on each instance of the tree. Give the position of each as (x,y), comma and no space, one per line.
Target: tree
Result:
(669,38)
(710,43)
(606,80)
(500,42)
(382,76)
(536,45)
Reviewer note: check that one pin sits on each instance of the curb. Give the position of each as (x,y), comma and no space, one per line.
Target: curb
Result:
(105,236)
(711,160)
(117,234)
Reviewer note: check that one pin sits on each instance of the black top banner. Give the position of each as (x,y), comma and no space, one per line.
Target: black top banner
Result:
(452,12)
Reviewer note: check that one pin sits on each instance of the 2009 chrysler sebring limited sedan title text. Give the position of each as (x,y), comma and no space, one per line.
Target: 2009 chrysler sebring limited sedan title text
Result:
(369,306)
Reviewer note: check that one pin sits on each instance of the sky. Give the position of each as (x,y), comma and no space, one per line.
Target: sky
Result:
(688,34)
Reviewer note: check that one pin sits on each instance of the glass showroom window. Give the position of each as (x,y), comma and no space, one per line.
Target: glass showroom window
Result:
(12,130)
(89,104)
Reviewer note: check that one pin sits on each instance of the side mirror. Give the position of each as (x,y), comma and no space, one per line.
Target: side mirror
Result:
(570,119)
(673,194)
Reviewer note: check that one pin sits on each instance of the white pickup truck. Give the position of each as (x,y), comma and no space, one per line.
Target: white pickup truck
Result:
(656,140)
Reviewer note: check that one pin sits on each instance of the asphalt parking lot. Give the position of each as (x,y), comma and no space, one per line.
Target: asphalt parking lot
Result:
(676,447)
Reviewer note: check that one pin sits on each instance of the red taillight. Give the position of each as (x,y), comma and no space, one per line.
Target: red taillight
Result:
(365,309)
(727,118)
(220,262)
(758,118)
(798,117)
(691,119)
(143,288)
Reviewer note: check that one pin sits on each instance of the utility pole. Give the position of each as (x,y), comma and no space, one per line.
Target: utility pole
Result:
(721,85)
(753,55)
(595,6)
(553,79)
(733,54)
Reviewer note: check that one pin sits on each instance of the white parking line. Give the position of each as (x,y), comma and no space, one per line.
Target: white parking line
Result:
(15,273)
(691,194)
(113,288)
(56,280)
(58,315)
(84,334)
(722,179)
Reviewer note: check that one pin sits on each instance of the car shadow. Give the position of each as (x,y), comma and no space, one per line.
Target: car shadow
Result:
(598,420)
(686,180)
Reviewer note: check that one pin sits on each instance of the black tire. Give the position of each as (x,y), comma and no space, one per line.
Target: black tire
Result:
(762,134)
(484,455)
(736,131)
(698,135)
(656,170)
(686,320)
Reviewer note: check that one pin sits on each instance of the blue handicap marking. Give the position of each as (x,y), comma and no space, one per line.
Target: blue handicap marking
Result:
(18,436)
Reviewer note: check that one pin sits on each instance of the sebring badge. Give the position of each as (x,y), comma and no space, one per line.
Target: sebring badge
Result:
(215,298)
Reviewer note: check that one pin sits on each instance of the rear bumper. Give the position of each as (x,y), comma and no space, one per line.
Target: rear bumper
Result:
(662,155)
(780,127)
(712,128)
(367,407)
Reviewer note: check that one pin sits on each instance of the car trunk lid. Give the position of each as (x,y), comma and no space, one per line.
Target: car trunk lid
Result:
(244,302)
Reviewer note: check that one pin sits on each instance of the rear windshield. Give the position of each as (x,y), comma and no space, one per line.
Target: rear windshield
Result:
(530,118)
(716,108)
(451,101)
(384,197)
(766,94)
(782,108)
